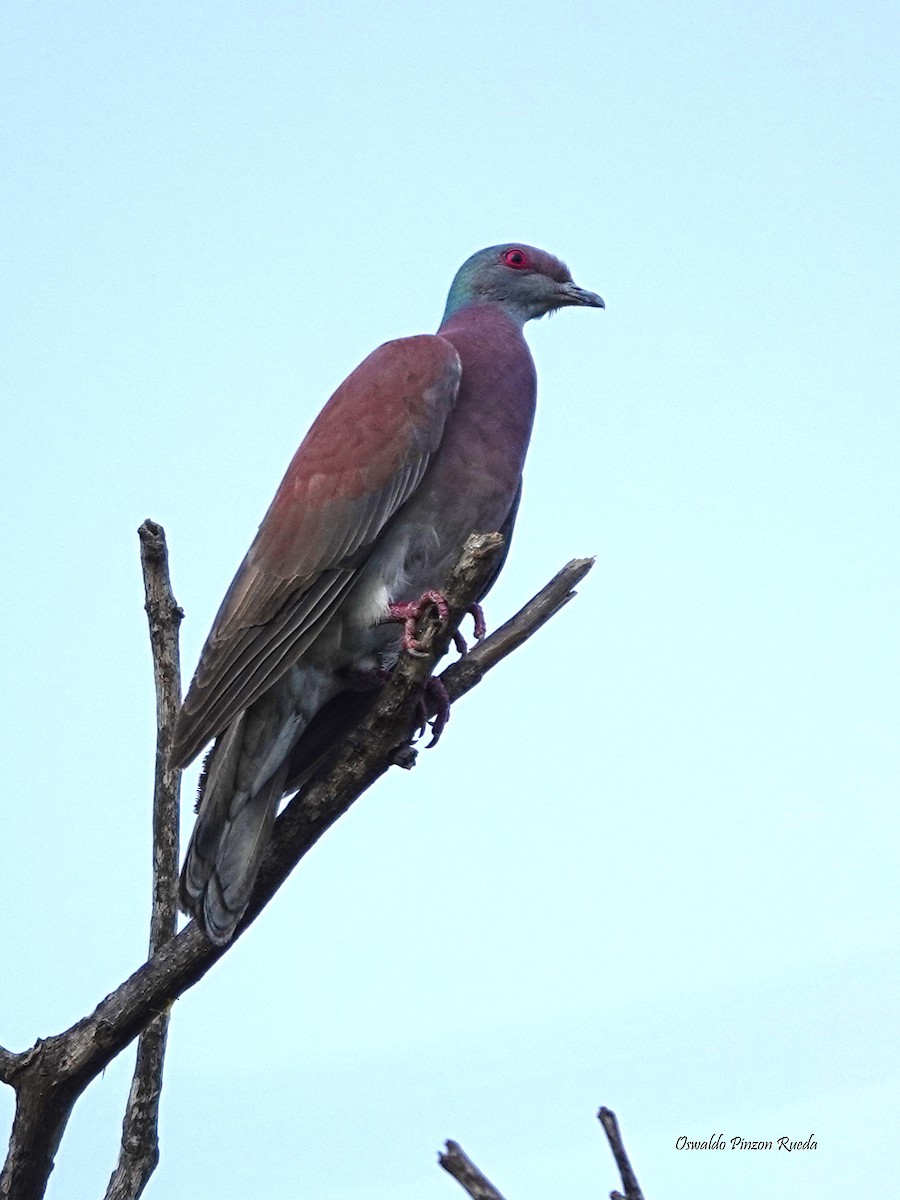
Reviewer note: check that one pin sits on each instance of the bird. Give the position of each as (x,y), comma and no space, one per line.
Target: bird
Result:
(423,444)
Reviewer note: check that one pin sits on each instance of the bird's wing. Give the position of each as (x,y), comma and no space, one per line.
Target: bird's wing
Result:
(364,455)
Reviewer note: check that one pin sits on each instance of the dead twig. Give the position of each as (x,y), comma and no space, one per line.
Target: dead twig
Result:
(466,1174)
(139,1150)
(607,1119)
(479,1187)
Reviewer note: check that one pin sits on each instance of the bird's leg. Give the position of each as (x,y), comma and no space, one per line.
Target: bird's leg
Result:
(408,614)
(480,628)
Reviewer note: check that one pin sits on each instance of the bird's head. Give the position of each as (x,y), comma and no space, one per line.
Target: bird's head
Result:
(523,281)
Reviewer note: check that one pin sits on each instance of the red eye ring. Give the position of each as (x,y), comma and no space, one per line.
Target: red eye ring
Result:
(517,259)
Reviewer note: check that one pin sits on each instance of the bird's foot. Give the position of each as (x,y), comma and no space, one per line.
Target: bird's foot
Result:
(409,614)
(440,700)
(434,695)
(480,629)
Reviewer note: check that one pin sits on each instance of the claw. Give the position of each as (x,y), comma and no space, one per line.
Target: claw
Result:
(480,629)
(441,701)
(442,716)
(478,617)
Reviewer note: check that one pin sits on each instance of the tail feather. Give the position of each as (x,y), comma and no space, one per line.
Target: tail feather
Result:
(230,838)
(242,847)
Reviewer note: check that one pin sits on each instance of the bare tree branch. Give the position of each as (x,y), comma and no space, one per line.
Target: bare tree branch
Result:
(607,1119)
(462,676)
(139,1152)
(164,617)
(50,1077)
(466,1174)
(464,1171)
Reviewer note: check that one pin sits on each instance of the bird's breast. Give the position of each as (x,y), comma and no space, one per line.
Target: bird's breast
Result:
(473,479)
(470,486)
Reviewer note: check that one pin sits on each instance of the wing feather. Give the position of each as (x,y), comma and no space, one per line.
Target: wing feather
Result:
(237,682)
(363,457)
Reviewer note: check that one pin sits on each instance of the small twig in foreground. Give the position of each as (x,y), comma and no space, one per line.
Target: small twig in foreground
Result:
(607,1119)
(466,1174)
(464,1171)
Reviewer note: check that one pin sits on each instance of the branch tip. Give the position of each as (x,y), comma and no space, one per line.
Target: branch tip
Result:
(607,1119)
(458,1164)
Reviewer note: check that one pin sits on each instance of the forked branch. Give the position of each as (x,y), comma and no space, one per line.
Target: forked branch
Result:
(50,1076)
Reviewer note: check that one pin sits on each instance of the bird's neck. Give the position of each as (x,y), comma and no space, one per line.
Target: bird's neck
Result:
(481,316)
(498,377)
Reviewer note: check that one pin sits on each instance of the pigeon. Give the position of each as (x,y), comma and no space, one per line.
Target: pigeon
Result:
(421,446)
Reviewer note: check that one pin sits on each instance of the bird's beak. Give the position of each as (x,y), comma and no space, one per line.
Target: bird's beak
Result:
(570,293)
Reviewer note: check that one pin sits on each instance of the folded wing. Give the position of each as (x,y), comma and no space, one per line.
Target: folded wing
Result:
(364,456)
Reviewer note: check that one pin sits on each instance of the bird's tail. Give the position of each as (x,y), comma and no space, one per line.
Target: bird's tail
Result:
(230,837)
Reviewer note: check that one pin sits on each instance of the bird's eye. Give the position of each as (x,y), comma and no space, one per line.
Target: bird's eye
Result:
(517,259)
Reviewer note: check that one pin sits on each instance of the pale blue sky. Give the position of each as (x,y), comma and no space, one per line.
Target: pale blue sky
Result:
(672,889)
